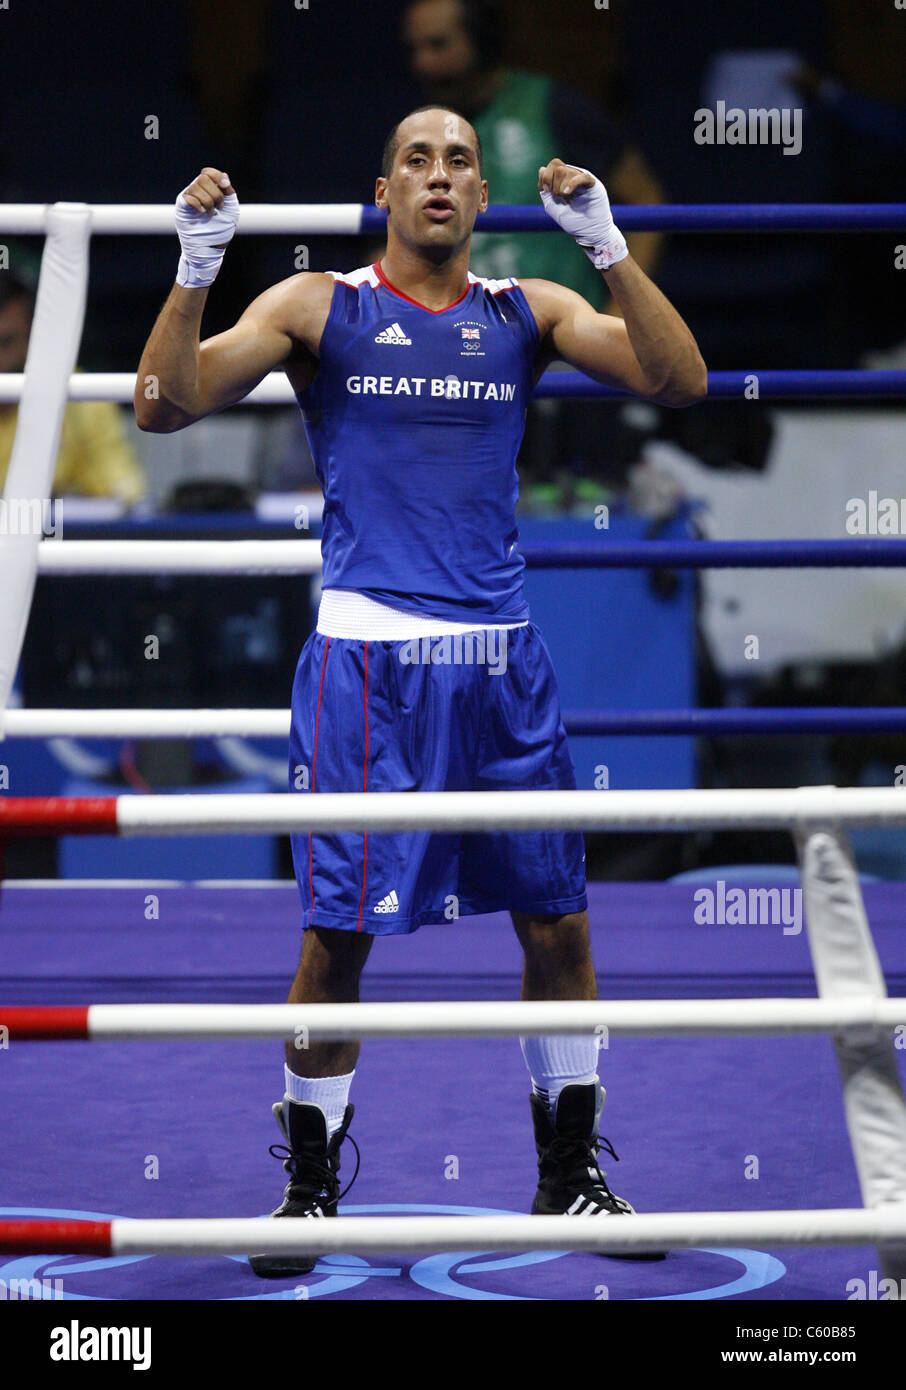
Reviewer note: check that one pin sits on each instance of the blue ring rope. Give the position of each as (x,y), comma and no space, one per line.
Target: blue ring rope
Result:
(857,553)
(826,720)
(761,385)
(692,217)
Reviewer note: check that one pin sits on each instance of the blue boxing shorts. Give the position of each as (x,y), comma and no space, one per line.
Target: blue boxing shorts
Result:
(473,712)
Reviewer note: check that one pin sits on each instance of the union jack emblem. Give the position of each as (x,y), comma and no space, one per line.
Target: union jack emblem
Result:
(472,333)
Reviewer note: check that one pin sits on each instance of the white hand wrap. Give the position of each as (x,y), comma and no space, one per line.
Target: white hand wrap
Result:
(203,237)
(587,217)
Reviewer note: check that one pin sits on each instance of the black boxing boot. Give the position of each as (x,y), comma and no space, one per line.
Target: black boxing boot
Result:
(312,1159)
(570,1180)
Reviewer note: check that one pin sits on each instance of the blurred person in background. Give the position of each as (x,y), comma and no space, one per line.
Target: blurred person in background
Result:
(859,89)
(95,458)
(456,50)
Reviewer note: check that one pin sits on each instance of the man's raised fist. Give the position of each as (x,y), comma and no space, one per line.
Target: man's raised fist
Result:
(207,214)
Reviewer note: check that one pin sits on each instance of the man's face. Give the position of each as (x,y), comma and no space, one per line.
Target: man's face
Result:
(441,54)
(435,189)
(15,325)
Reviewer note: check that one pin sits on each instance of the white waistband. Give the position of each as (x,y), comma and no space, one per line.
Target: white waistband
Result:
(346,613)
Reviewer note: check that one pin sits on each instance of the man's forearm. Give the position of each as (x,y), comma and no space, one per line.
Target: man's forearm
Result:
(666,350)
(166,385)
(646,249)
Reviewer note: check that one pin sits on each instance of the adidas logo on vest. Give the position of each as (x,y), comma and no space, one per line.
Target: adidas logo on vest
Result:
(394,334)
(389,904)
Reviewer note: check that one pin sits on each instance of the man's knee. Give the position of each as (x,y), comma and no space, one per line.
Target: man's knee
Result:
(335,955)
(553,938)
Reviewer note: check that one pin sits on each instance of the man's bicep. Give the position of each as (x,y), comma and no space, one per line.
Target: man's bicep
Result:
(285,321)
(597,344)
(231,364)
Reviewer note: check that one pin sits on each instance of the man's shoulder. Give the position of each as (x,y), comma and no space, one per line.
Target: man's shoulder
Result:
(364,275)
(297,306)
(306,286)
(538,291)
(492,286)
(315,289)
(551,302)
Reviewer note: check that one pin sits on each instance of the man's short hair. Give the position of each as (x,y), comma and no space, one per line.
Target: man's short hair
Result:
(392,144)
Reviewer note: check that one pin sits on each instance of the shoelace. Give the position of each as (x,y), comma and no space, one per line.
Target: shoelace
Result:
(562,1149)
(319,1168)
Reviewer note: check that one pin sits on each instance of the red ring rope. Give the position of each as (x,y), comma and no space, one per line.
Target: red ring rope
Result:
(43,815)
(41,1021)
(55,1237)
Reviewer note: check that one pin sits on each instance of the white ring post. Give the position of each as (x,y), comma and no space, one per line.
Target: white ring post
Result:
(846,963)
(52,348)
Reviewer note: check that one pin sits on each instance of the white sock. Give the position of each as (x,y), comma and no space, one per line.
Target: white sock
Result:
(564,1059)
(330,1093)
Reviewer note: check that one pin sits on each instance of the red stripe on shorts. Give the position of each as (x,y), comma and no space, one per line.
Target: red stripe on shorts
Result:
(314,759)
(364,789)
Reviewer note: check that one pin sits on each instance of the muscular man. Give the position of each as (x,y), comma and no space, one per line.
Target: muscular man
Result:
(414,376)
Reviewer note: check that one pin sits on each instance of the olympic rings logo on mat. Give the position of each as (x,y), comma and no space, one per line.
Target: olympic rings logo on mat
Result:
(453,1275)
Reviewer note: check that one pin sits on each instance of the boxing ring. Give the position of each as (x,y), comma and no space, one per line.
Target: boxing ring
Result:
(88,963)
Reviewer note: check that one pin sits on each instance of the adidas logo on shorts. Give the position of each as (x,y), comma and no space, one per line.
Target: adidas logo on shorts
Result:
(394,334)
(389,904)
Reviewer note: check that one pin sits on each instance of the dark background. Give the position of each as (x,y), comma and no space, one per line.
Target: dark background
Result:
(295,104)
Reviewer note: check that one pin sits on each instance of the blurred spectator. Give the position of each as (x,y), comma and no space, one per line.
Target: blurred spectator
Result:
(523,120)
(753,300)
(882,122)
(859,91)
(95,459)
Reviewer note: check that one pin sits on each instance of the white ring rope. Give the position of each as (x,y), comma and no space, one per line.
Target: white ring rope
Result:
(144,219)
(358,812)
(147,723)
(180,557)
(387,1234)
(120,386)
(500,1018)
